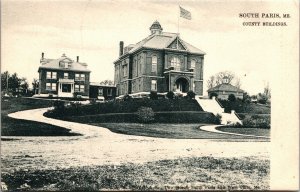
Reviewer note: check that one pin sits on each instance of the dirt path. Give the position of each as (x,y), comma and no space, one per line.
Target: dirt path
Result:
(100,146)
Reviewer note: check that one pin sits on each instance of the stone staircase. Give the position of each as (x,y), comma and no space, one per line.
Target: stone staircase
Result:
(213,106)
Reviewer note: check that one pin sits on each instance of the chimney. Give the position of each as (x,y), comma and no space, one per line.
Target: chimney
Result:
(42,55)
(121,48)
(77,60)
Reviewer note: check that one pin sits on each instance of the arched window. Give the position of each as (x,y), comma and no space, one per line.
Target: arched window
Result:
(154,64)
(193,64)
(175,62)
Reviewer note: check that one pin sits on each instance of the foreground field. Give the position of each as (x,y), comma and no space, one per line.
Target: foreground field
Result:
(196,173)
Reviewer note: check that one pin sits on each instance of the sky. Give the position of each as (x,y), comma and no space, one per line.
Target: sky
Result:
(93,29)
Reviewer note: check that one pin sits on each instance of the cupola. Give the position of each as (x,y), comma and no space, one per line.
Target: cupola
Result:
(156,28)
(225,80)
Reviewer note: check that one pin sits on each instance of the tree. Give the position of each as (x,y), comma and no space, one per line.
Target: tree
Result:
(35,86)
(4,80)
(153,95)
(191,94)
(23,84)
(14,82)
(211,82)
(217,79)
(170,95)
(238,83)
(231,98)
(267,91)
(107,82)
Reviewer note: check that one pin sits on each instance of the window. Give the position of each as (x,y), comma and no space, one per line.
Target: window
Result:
(54,74)
(175,62)
(109,92)
(124,70)
(51,75)
(76,88)
(82,77)
(51,86)
(153,85)
(79,77)
(66,75)
(48,86)
(79,88)
(193,64)
(154,64)
(48,75)
(100,91)
(136,67)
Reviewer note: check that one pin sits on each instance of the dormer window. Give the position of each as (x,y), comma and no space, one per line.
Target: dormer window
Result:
(66,75)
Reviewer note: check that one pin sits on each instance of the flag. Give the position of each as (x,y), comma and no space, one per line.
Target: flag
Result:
(185,13)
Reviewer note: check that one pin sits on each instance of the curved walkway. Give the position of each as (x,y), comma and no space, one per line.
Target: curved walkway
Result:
(212,128)
(100,146)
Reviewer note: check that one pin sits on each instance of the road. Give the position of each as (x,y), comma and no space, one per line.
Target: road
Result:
(100,146)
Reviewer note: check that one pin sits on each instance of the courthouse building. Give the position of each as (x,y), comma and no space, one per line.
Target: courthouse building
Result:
(161,62)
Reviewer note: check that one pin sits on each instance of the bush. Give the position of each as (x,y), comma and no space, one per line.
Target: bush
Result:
(145,114)
(127,97)
(231,98)
(191,95)
(218,119)
(213,95)
(257,121)
(170,95)
(153,95)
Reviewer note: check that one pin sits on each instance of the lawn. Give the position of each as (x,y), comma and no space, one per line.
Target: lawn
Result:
(197,173)
(16,127)
(174,131)
(246,131)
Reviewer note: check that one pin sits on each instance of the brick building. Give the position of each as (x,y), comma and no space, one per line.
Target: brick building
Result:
(63,77)
(161,62)
(102,90)
(225,89)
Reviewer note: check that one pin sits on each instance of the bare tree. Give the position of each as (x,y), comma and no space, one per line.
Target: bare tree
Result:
(211,82)
(35,85)
(267,91)
(218,79)
(238,83)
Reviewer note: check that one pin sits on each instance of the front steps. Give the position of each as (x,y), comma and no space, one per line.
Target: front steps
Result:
(213,106)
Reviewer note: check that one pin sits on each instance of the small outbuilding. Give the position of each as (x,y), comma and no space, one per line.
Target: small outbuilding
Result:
(222,91)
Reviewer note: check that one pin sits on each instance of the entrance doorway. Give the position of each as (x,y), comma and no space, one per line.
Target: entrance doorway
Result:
(182,85)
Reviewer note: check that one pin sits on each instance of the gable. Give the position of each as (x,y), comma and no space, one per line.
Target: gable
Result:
(173,45)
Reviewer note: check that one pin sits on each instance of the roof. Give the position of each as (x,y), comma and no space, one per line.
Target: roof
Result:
(162,41)
(101,84)
(225,87)
(54,64)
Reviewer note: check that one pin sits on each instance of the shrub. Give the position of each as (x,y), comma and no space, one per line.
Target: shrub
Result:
(213,95)
(218,119)
(145,114)
(170,95)
(191,95)
(231,98)
(127,97)
(153,95)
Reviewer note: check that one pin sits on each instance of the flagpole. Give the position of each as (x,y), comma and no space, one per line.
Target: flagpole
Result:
(178,26)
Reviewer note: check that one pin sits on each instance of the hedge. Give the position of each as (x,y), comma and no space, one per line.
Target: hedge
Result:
(159,117)
(129,106)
